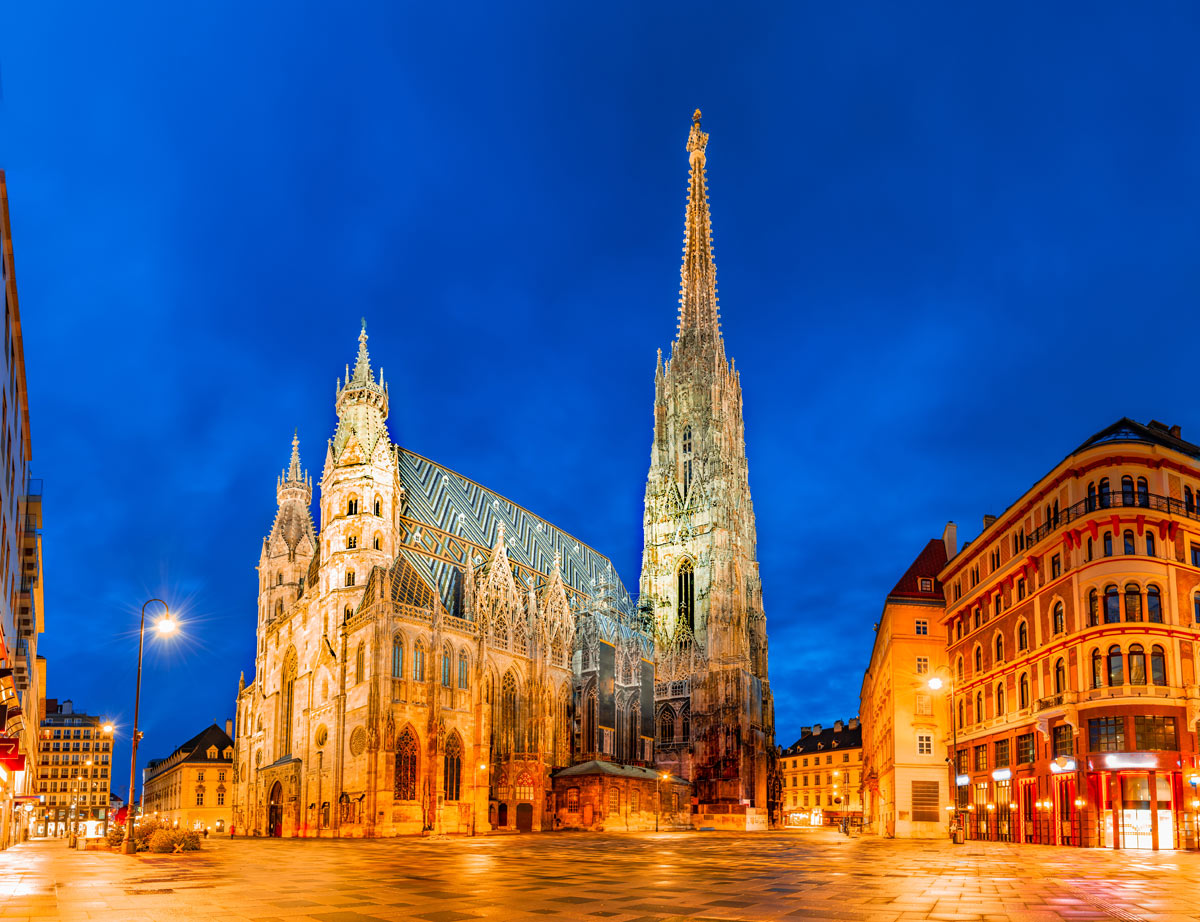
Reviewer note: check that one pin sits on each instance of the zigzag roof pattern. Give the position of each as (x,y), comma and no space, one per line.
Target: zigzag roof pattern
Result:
(451,522)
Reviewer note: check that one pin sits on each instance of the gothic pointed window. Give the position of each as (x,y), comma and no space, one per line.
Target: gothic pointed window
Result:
(378,506)
(511,735)
(589,723)
(288,702)
(685,724)
(463,670)
(378,542)
(359,664)
(278,579)
(452,774)
(633,726)
(406,766)
(352,506)
(686,586)
(419,661)
(687,458)
(397,657)
(666,726)
(446,660)
(349,577)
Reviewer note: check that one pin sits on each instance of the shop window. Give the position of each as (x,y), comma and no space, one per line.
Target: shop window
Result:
(1026,751)
(981,758)
(1155,734)
(1106,734)
(1001,753)
(1064,745)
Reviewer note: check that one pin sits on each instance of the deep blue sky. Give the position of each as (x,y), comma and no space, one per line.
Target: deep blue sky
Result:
(952,243)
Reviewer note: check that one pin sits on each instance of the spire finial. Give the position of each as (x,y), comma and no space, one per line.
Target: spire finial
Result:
(362,365)
(698,316)
(294,467)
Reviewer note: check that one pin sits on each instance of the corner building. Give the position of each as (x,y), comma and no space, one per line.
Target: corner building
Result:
(700,586)
(1072,625)
(906,789)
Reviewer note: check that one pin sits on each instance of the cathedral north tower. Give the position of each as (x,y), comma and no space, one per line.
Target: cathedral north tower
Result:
(700,582)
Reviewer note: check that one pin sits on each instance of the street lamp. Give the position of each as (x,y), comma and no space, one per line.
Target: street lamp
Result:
(165,626)
(482,766)
(662,776)
(935,683)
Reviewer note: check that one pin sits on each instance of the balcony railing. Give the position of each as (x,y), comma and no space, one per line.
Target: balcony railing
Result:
(1120,499)
(1054,701)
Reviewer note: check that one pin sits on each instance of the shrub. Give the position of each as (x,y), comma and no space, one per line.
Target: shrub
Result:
(116,835)
(165,840)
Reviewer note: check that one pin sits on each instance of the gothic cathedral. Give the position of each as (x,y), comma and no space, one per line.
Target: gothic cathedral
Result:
(435,658)
(700,581)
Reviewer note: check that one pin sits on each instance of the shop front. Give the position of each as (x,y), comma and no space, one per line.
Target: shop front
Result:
(1140,799)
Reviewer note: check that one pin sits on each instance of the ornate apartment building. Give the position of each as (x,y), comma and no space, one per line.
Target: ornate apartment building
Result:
(822,774)
(74,773)
(192,788)
(1072,627)
(432,656)
(700,584)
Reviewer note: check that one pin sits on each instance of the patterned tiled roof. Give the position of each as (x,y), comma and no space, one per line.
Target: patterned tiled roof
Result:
(451,522)
(1156,433)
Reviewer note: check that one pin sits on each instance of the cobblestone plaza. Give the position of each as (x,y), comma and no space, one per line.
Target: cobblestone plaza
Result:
(815,874)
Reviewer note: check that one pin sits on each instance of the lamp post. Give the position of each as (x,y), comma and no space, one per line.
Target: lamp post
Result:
(165,626)
(661,777)
(479,766)
(935,682)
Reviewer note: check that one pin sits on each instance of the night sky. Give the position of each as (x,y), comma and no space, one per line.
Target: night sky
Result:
(952,243)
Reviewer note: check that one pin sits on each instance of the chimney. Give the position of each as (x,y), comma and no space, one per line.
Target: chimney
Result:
(988,521)
(816,729)
(950,539)
(67,707)
(1175,431)
(837,726)
(805,731)
(229,728)
(853,723)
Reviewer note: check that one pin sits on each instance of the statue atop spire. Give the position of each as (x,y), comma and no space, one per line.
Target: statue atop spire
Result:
(294,468)
(699,318)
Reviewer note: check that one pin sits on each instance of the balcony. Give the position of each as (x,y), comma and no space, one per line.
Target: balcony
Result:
(1062,699)
(1121,499)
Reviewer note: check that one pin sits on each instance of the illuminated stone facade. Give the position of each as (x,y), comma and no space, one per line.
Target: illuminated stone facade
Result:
(700,584)
(822,775)
(1072,625)
(192,788)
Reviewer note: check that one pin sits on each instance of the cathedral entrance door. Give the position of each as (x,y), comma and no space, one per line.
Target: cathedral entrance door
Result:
(275,811)
(502,816)
(525,817)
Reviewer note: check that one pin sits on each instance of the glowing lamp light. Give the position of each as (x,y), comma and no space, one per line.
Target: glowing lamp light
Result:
(108,728)
(935,682)
(166,625)
(949,807)
(1080,802)
(1196,803)
(991,806)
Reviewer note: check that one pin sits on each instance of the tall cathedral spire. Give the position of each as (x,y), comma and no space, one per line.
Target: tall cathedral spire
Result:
(699,319)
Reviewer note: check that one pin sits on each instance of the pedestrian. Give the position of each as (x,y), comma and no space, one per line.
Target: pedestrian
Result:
(206,832)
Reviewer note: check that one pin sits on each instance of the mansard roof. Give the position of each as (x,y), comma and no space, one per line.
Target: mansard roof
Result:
(451,522)
(194,750)
(928,564)
(1153,433)
(827,740)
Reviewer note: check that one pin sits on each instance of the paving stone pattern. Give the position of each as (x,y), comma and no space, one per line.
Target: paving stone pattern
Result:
(814,874)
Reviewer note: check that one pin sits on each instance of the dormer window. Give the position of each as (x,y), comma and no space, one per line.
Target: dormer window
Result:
(212,752)
(926,585)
